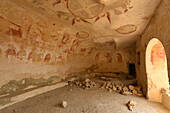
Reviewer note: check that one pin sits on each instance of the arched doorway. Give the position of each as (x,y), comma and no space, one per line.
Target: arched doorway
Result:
(156,70)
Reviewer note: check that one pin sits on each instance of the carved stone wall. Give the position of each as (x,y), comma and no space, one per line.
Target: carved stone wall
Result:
(158,28)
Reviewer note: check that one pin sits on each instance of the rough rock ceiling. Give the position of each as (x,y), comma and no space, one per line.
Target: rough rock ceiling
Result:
(118,21)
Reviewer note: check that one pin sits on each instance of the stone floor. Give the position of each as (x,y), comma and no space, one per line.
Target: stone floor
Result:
(84,101)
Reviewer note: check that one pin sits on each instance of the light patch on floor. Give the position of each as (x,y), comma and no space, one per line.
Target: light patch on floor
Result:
(84,101)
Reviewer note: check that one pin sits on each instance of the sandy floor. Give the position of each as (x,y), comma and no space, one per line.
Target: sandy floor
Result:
(84,101)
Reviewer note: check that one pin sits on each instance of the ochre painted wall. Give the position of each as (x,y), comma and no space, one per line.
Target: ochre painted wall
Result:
(33,46)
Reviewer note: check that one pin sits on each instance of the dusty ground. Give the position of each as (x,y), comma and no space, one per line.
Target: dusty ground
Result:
(84,101)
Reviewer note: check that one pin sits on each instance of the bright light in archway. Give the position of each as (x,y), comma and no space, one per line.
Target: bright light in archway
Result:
(156,69)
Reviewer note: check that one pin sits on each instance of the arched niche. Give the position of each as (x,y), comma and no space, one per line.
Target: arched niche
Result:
(156,70)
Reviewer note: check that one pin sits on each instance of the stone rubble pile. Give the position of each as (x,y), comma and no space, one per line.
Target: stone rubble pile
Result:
(85,84)
(110,86)
(124,90)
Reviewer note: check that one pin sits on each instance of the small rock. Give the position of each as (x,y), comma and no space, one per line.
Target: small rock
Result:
(134,92)
(80,84)
(130,108)
(87,84)
(114,88)
(138,88)
(77,83)
(64,104)
(23,82)
(139,95)
(107,87)
(87,80)
(102,87)
(126,92)
(125,88)
(131,105)
(108,84)
(131,87)
(110,90)
(119,88)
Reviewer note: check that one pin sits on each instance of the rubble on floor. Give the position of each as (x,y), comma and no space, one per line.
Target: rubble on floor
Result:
(86,84)
(64,104)
(124,90)
(131,105)
(110,86)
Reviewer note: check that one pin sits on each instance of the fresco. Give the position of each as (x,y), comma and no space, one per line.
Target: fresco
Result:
(158,55)
(29,41)
(82,34)
(11,51)
(126,29)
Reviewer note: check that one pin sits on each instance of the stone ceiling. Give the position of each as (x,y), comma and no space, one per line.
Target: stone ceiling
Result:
(117,21)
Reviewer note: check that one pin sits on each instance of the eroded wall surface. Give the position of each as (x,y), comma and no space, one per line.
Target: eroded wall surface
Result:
(158,28)
(35,47)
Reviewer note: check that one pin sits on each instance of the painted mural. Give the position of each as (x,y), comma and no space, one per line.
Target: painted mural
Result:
(32,42)
(158,55)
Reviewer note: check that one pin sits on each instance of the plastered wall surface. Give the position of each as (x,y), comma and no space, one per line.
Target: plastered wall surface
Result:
(166,98)
(158,28)
(35,46)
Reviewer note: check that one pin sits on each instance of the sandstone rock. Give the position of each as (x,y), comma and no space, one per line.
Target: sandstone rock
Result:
(87,84)
(131,105)
(119,87)
(101,87)
(139,95)
(23,81)
(92,83)
(80,84)
(77,83)
(87,80)
(64,104)
(140,92)
(138,88)
(126,92)
(130,108)
(131,87)
(125,88)
(104,84)
(134,92)
(108,84)
(114,88)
